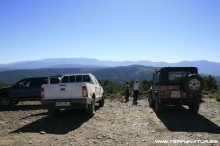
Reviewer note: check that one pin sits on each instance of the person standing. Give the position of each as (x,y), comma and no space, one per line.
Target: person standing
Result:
(136,90)
(127,92)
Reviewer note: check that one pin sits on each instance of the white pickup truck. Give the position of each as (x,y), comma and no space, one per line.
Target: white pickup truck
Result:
(74,91)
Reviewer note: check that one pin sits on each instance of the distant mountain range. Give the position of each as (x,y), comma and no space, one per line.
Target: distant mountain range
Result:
(117,74)
(205,67)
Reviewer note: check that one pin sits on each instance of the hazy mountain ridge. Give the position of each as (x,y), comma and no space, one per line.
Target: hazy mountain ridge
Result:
(108,70)
(119,74)
(205,67)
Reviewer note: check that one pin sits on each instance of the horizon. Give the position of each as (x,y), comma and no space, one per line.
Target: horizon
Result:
(126,30)
(108,60)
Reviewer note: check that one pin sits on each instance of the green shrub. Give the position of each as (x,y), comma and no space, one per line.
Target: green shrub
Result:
(213,91)
(205,92)
(5,85)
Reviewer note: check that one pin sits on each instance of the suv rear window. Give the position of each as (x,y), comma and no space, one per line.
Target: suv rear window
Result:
(177,77)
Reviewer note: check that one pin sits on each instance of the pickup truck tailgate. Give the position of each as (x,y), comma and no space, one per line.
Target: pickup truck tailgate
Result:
(63,91)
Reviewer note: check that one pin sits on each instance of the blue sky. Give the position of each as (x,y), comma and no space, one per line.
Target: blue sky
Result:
(118,30)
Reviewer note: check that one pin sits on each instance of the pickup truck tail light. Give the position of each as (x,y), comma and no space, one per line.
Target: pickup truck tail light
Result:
(42,93)
(84,91)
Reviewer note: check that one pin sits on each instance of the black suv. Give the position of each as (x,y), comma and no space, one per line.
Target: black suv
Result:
(25,90)
(176,86)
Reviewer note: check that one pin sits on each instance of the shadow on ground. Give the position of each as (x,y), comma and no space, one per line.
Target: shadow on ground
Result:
(22,108)
(180,120)
(61,123)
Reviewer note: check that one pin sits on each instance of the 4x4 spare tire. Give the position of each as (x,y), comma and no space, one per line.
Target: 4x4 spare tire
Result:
(193,84)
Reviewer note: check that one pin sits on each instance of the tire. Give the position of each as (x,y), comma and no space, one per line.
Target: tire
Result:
(102,102)
(151,101)
(194,108)
(158,106)
(4,101)
(193,84)
(91,108)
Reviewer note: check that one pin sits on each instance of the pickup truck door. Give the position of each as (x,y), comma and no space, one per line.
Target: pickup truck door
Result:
(98,89)
(27,89)
(18,92)
(21,90)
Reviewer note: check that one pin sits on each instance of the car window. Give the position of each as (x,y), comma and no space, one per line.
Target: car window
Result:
(33,82)
(65,79)
(72,79)
(38,82)
(157,78)
(86,78)
(54,80)
(177,76)
(79,78)
(23,83)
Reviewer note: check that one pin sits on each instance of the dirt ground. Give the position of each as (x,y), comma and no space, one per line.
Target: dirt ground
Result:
(117,123)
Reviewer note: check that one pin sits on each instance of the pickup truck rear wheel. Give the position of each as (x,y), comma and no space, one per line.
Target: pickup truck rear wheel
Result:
(102,102)
(4,101)
(91,108)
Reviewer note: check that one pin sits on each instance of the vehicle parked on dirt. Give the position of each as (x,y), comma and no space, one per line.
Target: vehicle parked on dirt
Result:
(75,91)
(176,86)
(24,90)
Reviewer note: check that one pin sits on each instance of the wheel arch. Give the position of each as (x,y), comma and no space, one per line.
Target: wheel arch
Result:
(5,94)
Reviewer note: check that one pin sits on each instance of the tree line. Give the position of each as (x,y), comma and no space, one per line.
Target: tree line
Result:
(110,87)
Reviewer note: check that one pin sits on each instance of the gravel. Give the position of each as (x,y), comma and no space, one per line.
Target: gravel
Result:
(117,123)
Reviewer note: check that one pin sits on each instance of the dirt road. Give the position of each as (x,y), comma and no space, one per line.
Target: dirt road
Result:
(114,124)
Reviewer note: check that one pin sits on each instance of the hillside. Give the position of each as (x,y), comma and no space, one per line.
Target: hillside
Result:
(117,74)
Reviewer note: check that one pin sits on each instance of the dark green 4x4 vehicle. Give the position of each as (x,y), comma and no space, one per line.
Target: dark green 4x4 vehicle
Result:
(24,90)
(176,86)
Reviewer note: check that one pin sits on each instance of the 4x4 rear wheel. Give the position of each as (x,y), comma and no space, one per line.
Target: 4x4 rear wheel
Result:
(4,101)
(158,106)
(193,84)
(91,108)
(194,107)
(151,101)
